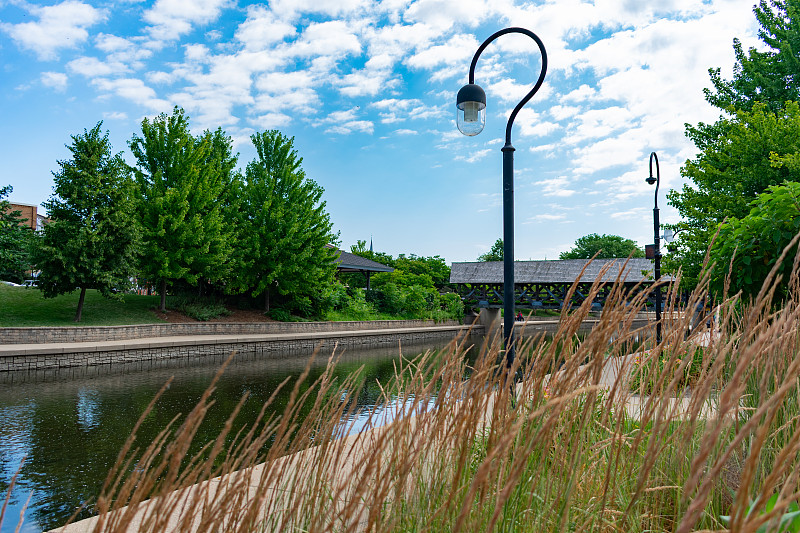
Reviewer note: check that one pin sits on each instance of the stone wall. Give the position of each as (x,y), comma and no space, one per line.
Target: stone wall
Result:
(46,335)
(283,346)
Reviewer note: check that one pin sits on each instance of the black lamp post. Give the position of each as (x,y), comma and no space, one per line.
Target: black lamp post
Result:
(470,118)
(657,247)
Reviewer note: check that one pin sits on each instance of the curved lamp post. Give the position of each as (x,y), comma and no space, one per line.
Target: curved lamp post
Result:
(470,118)
(657,245)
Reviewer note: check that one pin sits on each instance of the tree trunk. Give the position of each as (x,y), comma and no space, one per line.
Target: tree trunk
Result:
(79,312)
(266,301)
(163,306)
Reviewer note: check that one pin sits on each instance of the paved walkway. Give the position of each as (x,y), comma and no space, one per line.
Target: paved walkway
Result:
(276,492)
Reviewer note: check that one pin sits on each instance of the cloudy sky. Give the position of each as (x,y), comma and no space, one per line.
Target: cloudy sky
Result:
(368,91)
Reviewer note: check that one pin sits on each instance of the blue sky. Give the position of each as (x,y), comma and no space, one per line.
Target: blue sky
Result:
(368,91)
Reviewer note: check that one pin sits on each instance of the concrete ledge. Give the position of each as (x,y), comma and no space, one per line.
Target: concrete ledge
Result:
(20,357)
(37,335)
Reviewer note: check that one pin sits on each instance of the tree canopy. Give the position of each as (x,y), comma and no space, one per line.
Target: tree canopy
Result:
(495,253)
(15,239)
(285,228)
(181,180)
(91,241)
(605,246)
(749,247)
(748,149)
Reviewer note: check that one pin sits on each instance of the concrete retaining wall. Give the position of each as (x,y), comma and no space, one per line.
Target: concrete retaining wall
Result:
(66,355)
(45,335)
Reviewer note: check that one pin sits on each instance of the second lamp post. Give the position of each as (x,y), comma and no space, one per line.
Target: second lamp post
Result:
(470,118)
(656,242)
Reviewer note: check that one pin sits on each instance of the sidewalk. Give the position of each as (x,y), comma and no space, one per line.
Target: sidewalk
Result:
(270,486)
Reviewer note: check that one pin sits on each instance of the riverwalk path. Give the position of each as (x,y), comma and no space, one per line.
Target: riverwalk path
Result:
(272,485)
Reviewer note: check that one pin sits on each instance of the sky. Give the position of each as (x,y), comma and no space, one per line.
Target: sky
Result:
(367,89)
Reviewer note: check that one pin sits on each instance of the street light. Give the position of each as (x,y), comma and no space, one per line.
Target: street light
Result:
(470,119)
(657,248)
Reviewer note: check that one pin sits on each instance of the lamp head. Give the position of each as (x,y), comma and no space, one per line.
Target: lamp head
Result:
(651,180)
(471,109)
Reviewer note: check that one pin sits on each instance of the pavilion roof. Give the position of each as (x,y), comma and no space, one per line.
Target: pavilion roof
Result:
(347,262)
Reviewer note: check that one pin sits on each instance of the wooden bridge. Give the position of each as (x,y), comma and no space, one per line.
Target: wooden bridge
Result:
(545,284)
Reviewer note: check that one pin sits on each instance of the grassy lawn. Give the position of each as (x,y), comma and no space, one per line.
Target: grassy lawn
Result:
(23,307)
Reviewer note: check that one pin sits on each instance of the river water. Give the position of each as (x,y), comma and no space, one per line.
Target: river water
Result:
(69,425)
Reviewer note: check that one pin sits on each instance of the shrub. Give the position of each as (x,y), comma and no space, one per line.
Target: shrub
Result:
(280,314)
(201,308)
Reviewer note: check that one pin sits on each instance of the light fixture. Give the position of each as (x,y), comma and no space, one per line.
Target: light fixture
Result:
(471,109)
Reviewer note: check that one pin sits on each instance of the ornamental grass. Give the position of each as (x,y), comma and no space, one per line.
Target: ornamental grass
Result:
(561,442)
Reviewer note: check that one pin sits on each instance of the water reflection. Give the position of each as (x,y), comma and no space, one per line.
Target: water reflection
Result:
(71,424)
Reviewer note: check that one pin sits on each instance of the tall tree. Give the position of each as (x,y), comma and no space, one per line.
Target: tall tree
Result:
(15,241)
(181,180)
(285,228)
(733,164)
(769,76)
(495,253)
(605,246)
(92,238)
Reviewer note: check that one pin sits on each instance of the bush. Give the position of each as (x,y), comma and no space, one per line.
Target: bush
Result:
(197,307)
(279,314)
(452,305)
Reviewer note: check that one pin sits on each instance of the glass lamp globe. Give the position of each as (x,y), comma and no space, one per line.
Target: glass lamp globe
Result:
(471,109)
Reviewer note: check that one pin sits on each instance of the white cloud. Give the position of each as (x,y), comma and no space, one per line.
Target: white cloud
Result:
(262,29)
(345,122)
(169,19)
(442,14)
(289,9)
(115,115)
(59,26)
(91,67)
(556,187)
(134,90)
(55,80)
(456,52)
(332,38)
(270,121)
(474,156)
(405,132)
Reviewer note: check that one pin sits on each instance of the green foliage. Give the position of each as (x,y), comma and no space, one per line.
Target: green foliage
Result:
(410,270)
(605,246)
(284,229)
(755,242)
(182,181)
(495,253)
(755,152)
(767,76)
(15,241)
(280,314)
(92,239)
(649,373)
(199,308)
(734,163)
(788,523)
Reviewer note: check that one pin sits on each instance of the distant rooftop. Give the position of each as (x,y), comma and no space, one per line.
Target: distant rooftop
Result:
(347,262)
(554,271)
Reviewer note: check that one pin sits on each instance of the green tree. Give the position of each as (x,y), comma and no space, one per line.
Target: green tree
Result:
(751,246)
(605,246)
(756,152)
(495,253)
(285,228)
(181,186)
(92,239)
(727,174)
(15,241)
(769,76)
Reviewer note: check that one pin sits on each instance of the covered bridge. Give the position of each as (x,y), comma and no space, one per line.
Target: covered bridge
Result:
(544,284)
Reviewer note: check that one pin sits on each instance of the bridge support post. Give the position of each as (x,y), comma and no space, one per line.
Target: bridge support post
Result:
(489,319)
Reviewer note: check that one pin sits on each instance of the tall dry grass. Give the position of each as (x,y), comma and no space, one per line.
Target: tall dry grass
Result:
(566,446)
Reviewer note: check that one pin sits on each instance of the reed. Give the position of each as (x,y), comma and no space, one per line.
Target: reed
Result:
(560,443)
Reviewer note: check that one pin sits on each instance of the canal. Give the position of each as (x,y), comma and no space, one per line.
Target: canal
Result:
(69,425)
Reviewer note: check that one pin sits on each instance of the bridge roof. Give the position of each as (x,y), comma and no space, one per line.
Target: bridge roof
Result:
(554,271)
